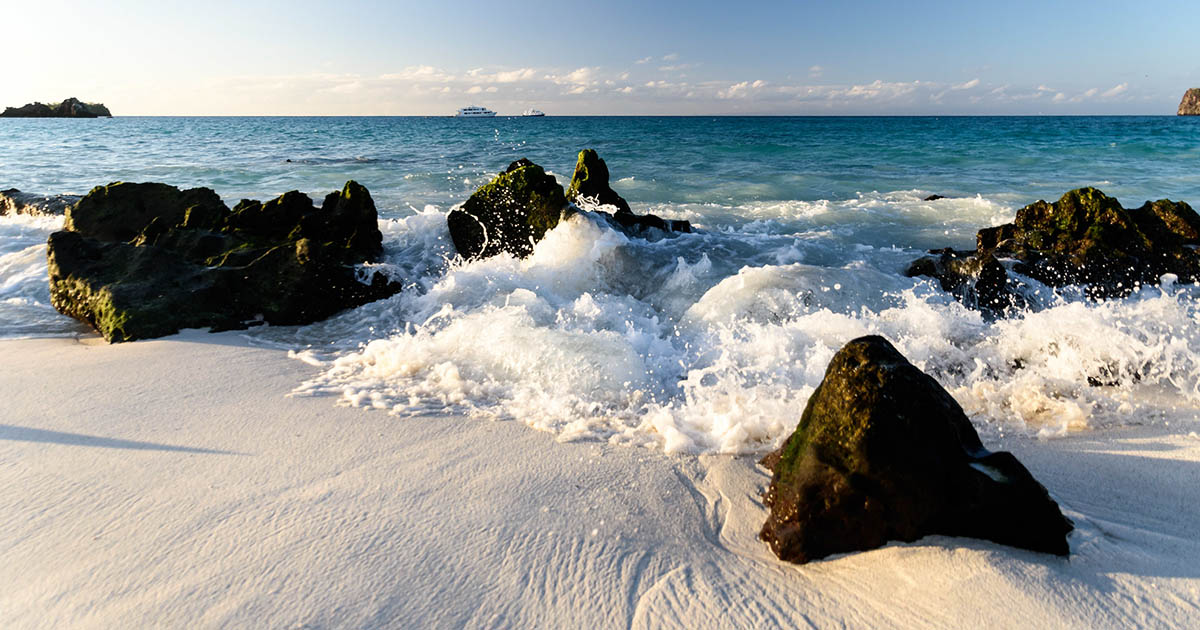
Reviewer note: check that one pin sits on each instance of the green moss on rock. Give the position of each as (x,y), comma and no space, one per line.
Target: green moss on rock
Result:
(590,182)
(509,214)
(1087,238)
(882,453)
(145,260)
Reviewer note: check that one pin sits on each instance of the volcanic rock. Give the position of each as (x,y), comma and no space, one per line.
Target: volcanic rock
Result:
(509,214)
(514,211)
(13,201)
(1087,238)
(590,182)
(145,260)
(977,280)
(883,453)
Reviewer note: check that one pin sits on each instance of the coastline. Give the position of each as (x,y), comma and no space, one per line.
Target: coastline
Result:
(173,482)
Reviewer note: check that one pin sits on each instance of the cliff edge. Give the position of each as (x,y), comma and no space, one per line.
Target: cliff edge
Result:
(1190,105)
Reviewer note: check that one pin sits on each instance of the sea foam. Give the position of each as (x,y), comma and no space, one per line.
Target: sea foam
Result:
(713,341)
(25,308)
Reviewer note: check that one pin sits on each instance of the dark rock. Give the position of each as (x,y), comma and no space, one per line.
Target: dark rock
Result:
(637,224)
(509,214)
(590,182)
(13,201)
(516,209)
(933,198)
(884,453)
(992,238)
(978,280)
(1190,105)
(70,108)
(146,260)
(1087,238)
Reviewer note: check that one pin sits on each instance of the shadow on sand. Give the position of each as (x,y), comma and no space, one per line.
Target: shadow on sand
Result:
(27,434)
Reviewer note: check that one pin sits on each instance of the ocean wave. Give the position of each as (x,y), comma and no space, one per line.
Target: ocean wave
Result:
(713,341)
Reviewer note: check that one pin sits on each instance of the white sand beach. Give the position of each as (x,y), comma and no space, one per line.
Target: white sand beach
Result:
(174,483)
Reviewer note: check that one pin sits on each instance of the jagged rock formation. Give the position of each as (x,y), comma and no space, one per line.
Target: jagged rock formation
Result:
(590,183)
(1085,238)
(590,187)
(516,209)
(883,453)
(70,108)
(13,201)
(1190,105)
(145,260)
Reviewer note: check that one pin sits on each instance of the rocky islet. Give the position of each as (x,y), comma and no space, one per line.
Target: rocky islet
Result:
(69,108)
(1189,105)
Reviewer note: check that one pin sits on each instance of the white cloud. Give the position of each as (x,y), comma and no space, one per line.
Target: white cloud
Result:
(632,89)
(513,76)
(741,90)
(581,76)
(1115,90)
(878,90)
(419,73)
(644,60)
(815,71)
(671,57)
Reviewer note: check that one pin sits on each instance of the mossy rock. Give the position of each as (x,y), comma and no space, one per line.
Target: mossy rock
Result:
(590,182)
(509,214)
(121,211)
(1081,221)
(883,453)
(1087,238)
(146,260)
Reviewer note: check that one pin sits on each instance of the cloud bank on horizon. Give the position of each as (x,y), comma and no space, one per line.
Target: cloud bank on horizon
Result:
(702,57)
(603,91)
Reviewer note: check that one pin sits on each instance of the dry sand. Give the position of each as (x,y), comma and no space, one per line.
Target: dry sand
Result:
(173,483)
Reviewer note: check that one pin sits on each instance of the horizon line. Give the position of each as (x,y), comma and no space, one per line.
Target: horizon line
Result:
(1174,115)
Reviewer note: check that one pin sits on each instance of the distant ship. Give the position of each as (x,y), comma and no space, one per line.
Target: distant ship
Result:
(475,112)
(533,113)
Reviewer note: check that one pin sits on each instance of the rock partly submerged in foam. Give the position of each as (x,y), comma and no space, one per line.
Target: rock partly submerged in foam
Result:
(1085,238)
(883,453)
(145,260)
(13,201)
(511,213)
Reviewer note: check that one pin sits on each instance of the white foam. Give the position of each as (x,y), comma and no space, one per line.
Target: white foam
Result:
(25,308)
(713,342)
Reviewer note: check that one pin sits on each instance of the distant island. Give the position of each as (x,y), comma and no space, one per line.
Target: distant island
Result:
(1190,105)
(70,108)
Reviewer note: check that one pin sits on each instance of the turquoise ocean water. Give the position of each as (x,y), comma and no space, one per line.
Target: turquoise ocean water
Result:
(703,342)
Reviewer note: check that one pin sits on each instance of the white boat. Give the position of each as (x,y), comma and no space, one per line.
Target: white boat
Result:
(533,113)
(475,112)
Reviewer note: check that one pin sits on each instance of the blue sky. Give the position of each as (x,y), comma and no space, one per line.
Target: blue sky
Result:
(566,57)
